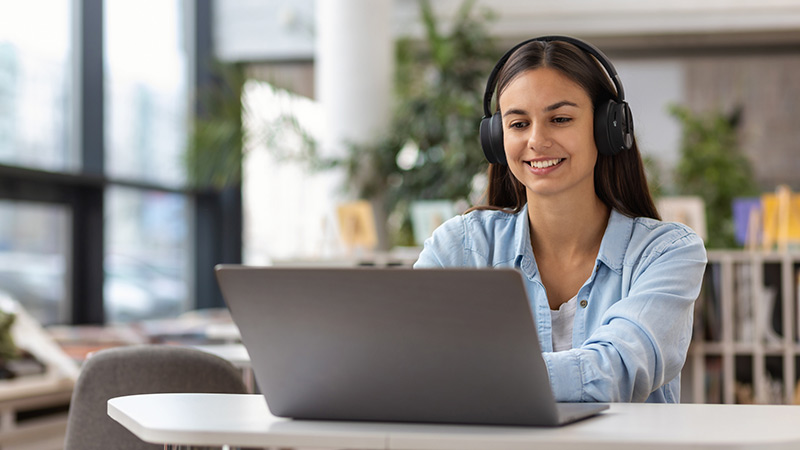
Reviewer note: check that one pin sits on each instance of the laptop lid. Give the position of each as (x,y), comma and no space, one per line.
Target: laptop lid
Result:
(407,345)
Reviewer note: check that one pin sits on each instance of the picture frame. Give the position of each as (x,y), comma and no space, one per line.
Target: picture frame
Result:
(427,215)
(688,210)
(357,228)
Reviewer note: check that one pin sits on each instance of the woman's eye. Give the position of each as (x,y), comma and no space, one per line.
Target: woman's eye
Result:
(562,119)
(518,125)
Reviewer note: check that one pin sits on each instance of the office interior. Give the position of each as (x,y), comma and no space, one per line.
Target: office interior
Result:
(144,142)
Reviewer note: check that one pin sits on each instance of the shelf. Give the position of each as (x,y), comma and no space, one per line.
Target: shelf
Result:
(741,348)
(744,256)
(32,407)
(33,386)
(746,329)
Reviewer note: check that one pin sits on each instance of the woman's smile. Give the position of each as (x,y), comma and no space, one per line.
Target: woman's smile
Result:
(542,166)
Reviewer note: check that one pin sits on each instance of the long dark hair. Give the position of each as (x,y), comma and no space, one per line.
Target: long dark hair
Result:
(619,180)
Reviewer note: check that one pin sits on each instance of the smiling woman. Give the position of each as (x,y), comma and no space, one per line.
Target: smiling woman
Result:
(611,287)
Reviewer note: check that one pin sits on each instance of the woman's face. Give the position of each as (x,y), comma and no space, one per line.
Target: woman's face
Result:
(548,133)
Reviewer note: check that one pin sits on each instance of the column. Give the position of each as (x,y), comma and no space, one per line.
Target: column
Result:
(354,70)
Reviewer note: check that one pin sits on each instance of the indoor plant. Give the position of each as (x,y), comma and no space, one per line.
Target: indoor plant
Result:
(713,167)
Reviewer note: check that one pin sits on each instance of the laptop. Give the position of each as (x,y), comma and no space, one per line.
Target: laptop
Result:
(454,346)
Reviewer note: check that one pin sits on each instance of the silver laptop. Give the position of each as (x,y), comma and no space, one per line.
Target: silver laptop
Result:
(400,345)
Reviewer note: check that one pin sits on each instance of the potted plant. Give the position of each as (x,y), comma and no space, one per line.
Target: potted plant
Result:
(213,156)
(432,150)
(713,167)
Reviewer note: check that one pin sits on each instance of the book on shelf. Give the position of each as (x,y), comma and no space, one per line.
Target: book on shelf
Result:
(768,300)
(797,393)
(781,219)
(743,393)
(708,307)
(744,325)
(797,303)
(756,310)
(713,380)
(770,221)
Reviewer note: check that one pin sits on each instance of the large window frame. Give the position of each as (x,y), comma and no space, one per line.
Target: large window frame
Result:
(217,226)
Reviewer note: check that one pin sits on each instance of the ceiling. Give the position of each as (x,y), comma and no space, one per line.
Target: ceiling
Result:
(283,30)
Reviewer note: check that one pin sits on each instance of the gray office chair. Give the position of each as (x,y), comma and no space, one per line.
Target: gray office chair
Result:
(140,369)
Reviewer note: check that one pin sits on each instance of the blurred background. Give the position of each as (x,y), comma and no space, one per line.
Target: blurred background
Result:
(144,141)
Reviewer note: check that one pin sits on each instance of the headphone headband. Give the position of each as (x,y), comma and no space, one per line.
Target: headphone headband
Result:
(585,46)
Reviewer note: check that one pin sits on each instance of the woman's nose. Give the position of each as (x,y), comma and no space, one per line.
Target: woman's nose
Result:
(539,137)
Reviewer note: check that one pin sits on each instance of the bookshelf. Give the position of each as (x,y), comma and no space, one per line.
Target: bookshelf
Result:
(745,346)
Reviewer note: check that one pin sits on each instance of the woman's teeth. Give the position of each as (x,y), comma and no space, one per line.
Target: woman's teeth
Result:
(544,164)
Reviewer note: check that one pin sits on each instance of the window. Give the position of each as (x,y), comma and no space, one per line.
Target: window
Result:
(34,255)
(35,80)
(146,261)
(96,224)
(146,89)
(146,116)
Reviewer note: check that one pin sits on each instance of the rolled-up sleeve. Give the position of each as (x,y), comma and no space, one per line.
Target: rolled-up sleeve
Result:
(642,341)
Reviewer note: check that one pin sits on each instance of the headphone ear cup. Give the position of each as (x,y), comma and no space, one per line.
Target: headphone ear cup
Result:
(486,138)
(627,126)
(613,127)
(497,139)
(491,134)
(601,138)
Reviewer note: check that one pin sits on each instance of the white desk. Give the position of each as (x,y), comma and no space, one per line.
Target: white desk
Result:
(244,420)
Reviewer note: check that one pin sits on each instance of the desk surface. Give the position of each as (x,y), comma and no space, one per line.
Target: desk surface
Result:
(244,420)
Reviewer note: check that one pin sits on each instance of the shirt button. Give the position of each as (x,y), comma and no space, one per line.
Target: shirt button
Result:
(584,303)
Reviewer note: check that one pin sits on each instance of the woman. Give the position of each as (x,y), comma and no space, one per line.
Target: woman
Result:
(612,288)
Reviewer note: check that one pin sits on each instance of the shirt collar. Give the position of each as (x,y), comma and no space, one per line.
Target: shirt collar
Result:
(523,230)
(524,252)
(615,241)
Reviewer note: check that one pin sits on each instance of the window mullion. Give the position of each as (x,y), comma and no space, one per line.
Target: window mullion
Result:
(87,204)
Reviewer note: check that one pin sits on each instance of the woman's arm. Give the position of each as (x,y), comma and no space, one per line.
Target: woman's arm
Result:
(643,339)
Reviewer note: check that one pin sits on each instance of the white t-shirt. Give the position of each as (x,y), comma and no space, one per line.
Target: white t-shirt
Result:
(562,321)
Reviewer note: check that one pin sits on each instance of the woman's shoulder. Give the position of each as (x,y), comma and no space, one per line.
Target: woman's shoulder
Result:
(478,228)
(660,229)
(655,236)
(489,226)
(491,218)
(475,238)
(480,224)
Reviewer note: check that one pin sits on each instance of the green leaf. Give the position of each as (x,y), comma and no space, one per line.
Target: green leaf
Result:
(713,167)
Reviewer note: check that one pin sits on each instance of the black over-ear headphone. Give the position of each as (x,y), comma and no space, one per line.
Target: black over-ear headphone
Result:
(613,123)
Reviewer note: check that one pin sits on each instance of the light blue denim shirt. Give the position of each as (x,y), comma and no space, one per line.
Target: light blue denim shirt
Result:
(634,319)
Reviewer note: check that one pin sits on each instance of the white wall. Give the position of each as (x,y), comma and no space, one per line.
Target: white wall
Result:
(651,86)
(263,30)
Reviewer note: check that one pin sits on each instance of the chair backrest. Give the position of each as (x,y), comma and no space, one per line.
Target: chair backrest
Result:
(139,369)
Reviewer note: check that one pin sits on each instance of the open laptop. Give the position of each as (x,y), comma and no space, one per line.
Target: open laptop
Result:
(398,345)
